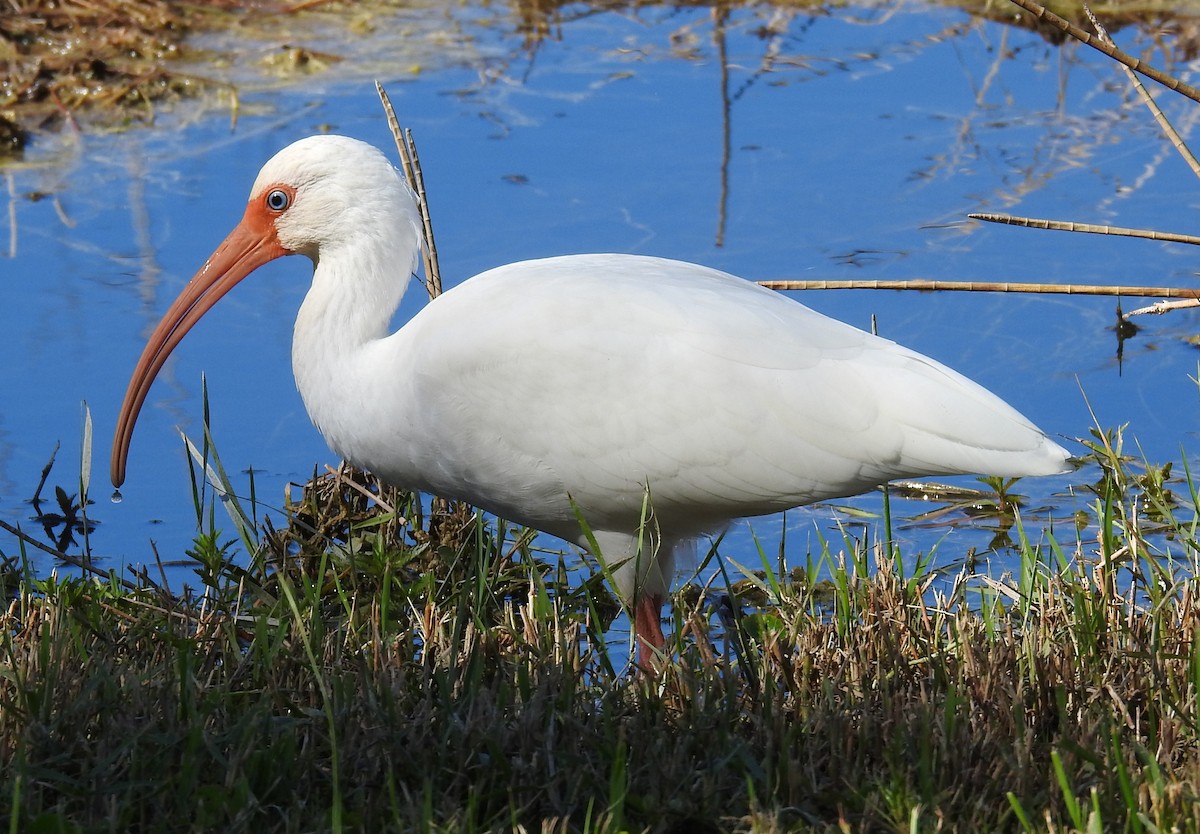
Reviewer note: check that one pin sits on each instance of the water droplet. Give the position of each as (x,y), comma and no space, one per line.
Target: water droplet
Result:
(117,497)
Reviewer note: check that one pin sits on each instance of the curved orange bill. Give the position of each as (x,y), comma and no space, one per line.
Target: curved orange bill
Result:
(250,245)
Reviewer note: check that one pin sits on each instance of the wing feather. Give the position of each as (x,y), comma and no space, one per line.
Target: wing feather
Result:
(597,375)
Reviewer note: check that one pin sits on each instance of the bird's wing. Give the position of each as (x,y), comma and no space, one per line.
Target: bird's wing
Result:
(598,375)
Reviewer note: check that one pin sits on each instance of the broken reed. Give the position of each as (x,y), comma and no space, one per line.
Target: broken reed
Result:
(406,669)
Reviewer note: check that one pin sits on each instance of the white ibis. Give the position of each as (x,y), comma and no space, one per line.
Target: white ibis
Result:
(584,383)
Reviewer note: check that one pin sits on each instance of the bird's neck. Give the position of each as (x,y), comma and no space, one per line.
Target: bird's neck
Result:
(359,277)
(354,294)
(341,333)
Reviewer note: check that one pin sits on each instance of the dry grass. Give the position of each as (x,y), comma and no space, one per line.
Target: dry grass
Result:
(375,670)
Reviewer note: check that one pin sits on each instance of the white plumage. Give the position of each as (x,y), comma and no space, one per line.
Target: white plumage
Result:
(585,379)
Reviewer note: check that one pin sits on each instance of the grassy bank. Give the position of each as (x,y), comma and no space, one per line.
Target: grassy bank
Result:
(376,668)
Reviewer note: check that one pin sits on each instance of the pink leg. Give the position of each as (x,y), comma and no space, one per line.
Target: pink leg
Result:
(647,625)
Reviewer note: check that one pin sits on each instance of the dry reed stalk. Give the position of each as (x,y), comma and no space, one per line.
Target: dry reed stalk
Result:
(342,478)
(928,285)
(412,172)
(1088,228)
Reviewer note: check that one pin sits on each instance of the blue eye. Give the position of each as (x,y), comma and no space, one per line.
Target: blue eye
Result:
(277,200)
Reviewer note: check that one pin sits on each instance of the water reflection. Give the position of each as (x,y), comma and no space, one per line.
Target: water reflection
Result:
(773,142)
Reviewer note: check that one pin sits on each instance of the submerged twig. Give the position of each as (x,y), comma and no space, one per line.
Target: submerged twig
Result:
(37,493)
(1088,228)
(928,285)
(411,165)
(82,564)
(1158,308)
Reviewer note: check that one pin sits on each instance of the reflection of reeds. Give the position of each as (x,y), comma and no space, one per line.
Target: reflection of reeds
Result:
(1189,297)
(1132,68)
(12,214)
(115,56)
(1100,41)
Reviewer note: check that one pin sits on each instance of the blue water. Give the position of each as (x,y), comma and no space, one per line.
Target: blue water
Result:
(856,154)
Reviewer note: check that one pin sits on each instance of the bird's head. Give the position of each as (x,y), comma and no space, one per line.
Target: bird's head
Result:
(323,193)
(315,197)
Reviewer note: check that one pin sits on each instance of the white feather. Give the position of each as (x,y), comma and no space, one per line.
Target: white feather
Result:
(582,381)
